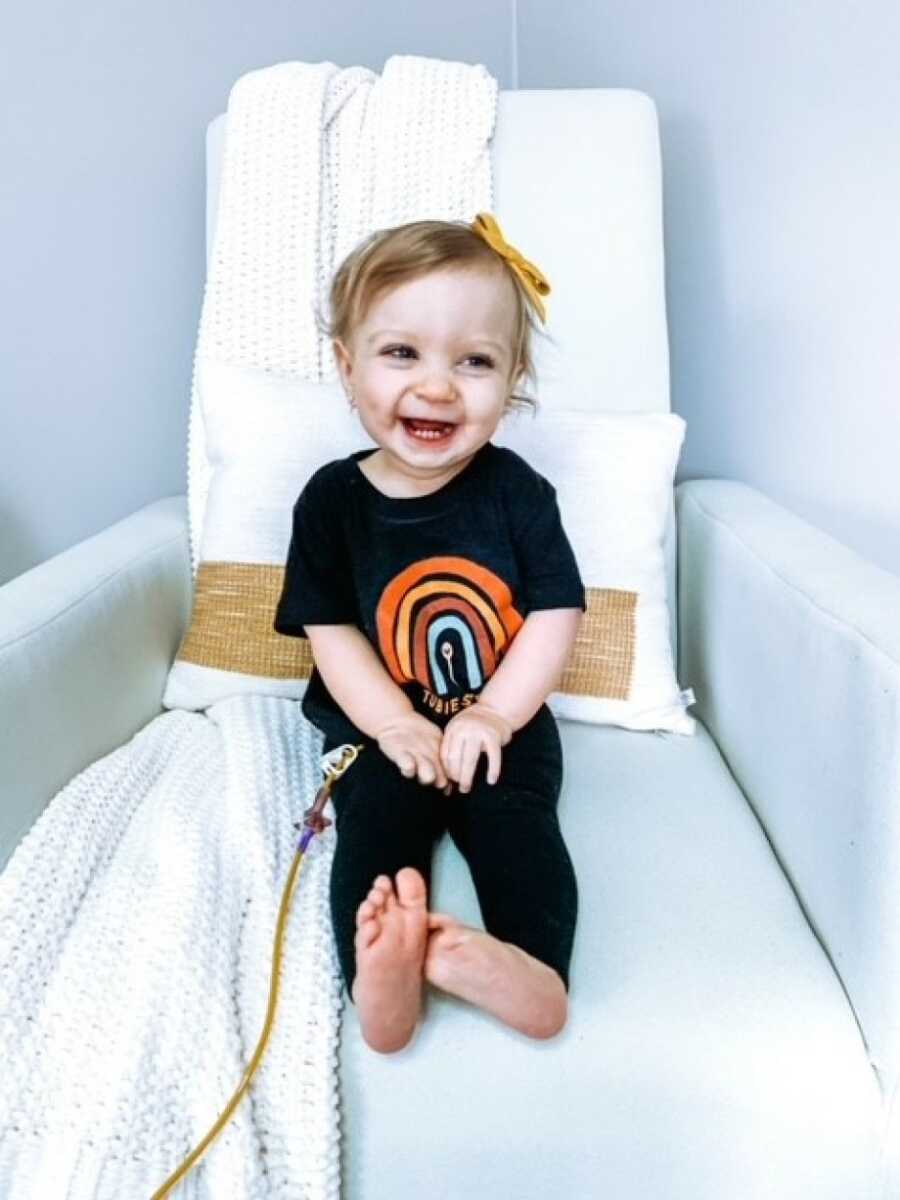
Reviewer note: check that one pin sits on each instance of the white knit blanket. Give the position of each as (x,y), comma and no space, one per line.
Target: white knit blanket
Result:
(136,938)
(137,917)
(315,159)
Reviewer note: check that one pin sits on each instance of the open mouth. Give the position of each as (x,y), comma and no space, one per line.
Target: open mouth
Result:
(428,431)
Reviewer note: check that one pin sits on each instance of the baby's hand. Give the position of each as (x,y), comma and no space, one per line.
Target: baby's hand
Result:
(475,730)
(414,744)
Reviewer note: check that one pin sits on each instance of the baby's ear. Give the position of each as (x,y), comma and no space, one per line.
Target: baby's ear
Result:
(516,380)
(343,361)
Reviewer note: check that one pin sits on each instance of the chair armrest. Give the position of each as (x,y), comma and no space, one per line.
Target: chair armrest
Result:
(86,641)
(791,642)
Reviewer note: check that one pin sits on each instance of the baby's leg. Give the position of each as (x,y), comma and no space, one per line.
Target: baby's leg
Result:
(510,836)
(384,823)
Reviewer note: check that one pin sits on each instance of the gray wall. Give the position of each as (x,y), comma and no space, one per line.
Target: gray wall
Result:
(780,128)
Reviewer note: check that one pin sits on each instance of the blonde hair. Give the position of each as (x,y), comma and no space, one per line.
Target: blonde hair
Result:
(390,257)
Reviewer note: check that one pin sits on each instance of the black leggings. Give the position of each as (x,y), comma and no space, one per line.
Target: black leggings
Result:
(508,833)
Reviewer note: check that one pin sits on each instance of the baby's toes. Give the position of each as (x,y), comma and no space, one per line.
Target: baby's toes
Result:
(382,891)
(374,903)
(366,932)
(411,890)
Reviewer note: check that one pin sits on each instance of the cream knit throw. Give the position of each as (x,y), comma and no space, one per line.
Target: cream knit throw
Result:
(136,936)
(137,917)
(315,159)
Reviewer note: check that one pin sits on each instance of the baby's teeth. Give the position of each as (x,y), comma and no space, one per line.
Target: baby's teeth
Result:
(429,434)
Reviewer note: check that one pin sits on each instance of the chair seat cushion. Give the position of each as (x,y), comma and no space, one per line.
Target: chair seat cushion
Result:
(710,1050)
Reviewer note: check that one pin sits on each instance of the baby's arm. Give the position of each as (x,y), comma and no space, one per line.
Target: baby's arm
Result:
(375,704)
(531,669)
(533,666)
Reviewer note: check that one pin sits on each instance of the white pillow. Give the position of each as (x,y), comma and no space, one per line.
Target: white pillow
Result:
(614,473)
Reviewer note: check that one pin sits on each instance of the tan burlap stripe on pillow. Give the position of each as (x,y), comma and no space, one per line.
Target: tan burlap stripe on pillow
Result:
(602,663)
(234,606)
(231,625)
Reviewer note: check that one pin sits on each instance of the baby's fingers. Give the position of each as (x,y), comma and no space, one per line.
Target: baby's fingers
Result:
(451,755)
(429,769)
(494,757)
(470,755)
(444,753)
(407,765)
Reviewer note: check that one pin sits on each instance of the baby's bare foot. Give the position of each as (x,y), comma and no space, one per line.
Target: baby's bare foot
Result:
(496,976)
(391,938)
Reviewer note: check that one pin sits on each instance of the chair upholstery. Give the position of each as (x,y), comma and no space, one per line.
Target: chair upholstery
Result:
(86,642)
(798,675)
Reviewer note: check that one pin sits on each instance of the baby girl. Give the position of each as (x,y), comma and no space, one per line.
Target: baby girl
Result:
(441,598)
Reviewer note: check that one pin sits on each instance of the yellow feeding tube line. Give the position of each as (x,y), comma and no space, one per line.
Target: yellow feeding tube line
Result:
(313,822)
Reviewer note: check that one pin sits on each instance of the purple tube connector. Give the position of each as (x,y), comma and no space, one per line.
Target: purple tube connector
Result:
(313,819)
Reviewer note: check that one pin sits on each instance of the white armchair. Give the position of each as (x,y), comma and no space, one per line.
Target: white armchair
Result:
(734,1030)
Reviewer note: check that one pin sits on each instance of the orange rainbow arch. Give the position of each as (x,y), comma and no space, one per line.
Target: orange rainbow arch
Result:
(437,594)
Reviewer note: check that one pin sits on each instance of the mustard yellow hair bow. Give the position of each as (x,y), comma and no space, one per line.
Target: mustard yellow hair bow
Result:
(536,283)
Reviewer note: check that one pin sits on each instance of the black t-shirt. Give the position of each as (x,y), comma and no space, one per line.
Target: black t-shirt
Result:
(439,584)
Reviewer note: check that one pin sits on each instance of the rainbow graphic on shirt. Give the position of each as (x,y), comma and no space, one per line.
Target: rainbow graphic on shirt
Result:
(445,622)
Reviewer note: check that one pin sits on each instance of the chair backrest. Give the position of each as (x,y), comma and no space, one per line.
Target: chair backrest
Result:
(578,188)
